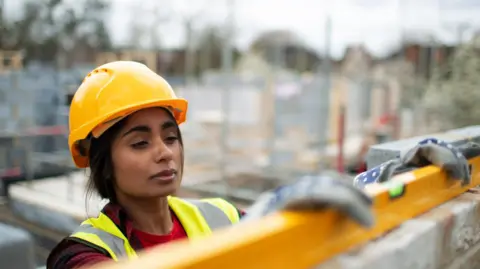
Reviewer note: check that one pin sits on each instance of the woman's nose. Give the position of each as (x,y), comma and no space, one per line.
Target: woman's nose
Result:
(161,151)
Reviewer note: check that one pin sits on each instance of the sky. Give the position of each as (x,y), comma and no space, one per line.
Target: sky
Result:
(376,24)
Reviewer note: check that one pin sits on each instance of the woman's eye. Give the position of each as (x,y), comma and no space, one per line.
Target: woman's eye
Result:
(140,144)
(171,139)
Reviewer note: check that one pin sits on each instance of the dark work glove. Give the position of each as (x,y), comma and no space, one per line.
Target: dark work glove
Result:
(427,152)
(328,190)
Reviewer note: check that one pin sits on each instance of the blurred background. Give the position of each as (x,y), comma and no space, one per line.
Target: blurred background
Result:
(276,89)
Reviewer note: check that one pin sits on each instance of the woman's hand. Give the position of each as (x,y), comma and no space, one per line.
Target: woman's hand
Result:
(430,151)
(328,190)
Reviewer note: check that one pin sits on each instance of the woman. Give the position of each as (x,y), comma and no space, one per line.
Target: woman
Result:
(124,127)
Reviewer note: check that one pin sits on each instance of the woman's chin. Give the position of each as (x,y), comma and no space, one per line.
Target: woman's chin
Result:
(164,191)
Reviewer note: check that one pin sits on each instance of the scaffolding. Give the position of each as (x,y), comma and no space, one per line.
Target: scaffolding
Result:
(34,129)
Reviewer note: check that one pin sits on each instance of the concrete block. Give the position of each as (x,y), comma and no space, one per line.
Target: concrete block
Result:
(380,153)
(409,246)
(16,248)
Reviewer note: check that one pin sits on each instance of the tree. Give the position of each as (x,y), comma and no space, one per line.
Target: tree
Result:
(137,29)
(144,33)
(286,49)
(452,97)
(93,17)
(209,45)
(47,28)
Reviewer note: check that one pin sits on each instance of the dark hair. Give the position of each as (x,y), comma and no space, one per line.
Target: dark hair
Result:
(102,178)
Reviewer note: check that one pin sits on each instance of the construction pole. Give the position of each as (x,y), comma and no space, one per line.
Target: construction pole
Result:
(461,28)
(400,9)
(340,139)
(189,53)
(403,58)
(278,66)
(2,21)
(437,46)
(2,5)
(227,67)
(328,86)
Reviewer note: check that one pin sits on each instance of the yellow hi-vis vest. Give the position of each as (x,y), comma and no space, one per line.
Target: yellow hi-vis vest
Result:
(198,218)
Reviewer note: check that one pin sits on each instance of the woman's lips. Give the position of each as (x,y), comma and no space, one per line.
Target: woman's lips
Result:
(165,175)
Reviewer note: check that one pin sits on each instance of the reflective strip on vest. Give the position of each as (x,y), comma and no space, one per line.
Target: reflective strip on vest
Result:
(113,242)
(213,215)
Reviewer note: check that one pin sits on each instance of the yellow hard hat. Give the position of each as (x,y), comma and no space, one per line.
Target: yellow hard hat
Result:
(111,92)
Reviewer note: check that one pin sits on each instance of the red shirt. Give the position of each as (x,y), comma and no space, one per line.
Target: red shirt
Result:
(69,254)
(151,240)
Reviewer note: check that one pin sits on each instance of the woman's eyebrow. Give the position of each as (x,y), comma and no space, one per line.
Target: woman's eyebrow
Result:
(139,128)
(145,129)
(168,124)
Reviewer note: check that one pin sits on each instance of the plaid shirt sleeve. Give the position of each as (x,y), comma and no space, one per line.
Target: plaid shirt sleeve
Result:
(70,255)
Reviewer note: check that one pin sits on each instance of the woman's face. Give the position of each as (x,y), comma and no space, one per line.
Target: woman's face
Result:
(147,155)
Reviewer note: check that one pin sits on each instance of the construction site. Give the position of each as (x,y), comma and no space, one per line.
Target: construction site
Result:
(258,118)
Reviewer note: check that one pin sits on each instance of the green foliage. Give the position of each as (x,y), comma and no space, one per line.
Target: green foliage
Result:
(48,27)
(453,96)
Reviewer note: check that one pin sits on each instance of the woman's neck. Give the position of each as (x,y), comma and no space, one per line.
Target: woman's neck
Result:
(150,216)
